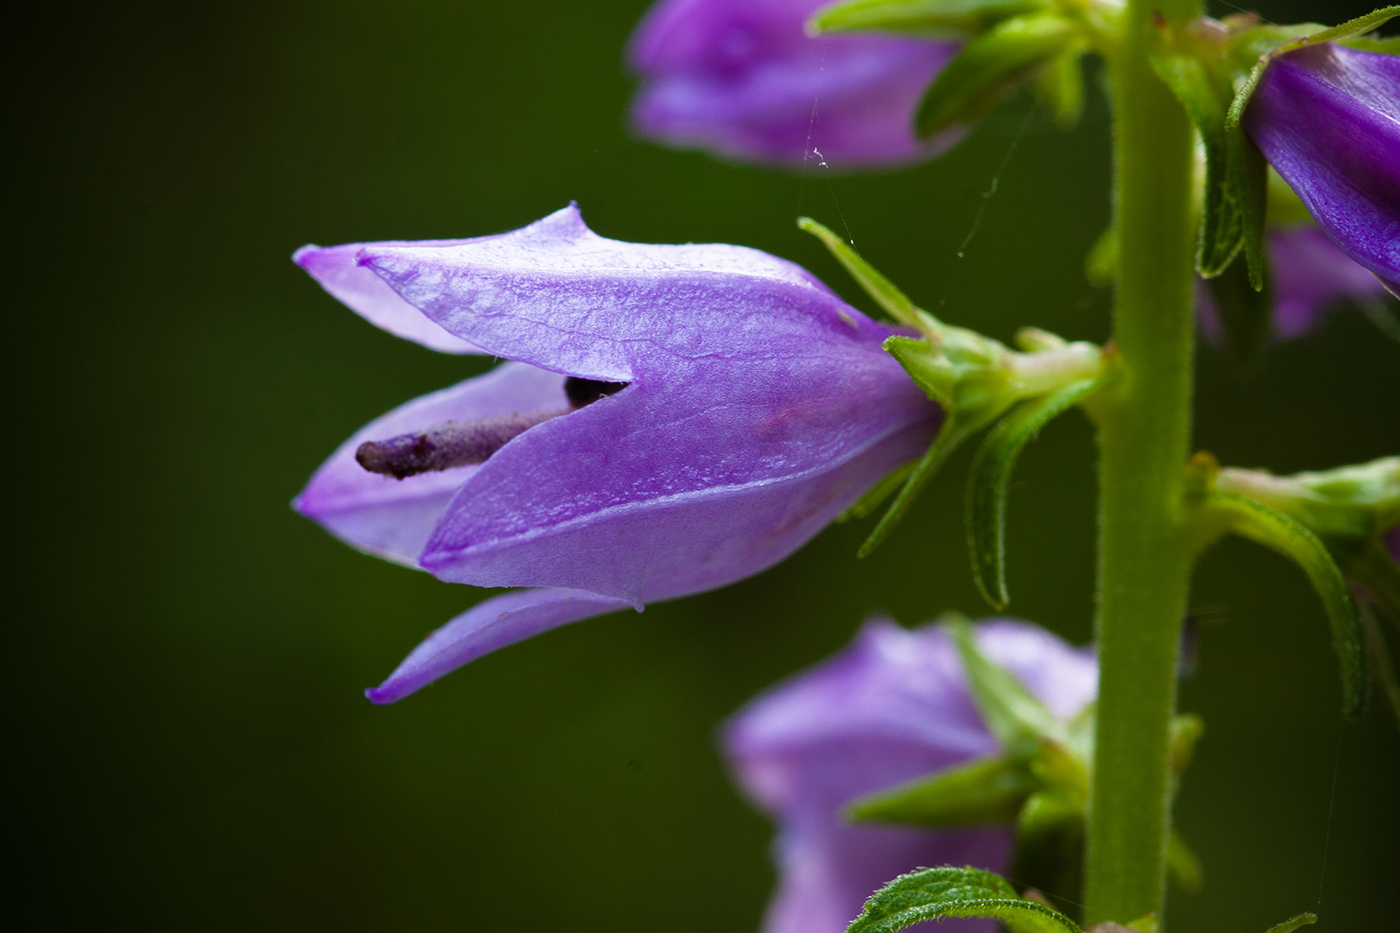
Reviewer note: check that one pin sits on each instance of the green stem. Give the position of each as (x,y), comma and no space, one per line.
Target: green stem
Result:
(1144,437)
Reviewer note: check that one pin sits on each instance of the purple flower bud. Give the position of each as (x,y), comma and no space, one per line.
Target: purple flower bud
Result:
(1328,119)
(741,78)
(1310,276)
(675,418)
(892,707)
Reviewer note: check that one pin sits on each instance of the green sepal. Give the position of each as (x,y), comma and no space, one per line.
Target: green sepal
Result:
(1060,86)
(983,791)
(1236,182)
(1293,540)
(936,893)
(884,292)
(950,436)
(989,481)
(1307,918)
(928,18)
(1012,714)
(1246,314)
(1290,43)
(992,65)
(876,495)
(1183,867)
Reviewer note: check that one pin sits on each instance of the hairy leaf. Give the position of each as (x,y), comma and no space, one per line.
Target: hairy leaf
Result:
(935,893)
(989,480)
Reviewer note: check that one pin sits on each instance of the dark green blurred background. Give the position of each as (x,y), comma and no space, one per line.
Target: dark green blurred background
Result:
(187,655)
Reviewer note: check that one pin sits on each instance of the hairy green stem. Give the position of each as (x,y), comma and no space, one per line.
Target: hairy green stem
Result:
(1144,436)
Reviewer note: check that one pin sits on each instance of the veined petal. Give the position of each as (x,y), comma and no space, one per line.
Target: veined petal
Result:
(741,78)
(1328,119)
(666,490)
(363,292)
(486,627)
(559,296)
(393,518)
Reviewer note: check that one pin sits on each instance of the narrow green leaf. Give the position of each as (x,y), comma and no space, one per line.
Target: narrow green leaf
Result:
(990,478)
(877,494)
(935,893)
(983,791)
(1012,714)
(955,18)
(895,303)
(1353,27)
(1288,537)
(990,66)
(950,436)
(1293,923)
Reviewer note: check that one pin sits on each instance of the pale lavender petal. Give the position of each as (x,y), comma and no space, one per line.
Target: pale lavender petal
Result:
(558,295)
(1328,119)
(365,293)
(1312,274)
(760,406)
(393,518)
(741,78)
(486,627)
(890,708)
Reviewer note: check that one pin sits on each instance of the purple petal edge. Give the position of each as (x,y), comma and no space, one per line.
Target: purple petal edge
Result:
(486,627)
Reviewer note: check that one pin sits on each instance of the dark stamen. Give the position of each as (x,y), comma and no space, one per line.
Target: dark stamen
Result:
(454,444)
(583,392)
(445,446)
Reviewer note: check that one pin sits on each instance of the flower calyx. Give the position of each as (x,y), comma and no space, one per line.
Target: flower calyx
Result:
(1006,44)
(1334,524)
(976,380)
(1038,781)
(1213,67)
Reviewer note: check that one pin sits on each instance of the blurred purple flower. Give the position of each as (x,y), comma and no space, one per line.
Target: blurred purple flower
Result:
(741,78)
(1310,276)
(891,707)
(1328,119)
(675,418)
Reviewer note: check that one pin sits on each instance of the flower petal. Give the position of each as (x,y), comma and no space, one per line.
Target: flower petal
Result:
(1328,119)
(559,296)
(362,291)
(1310,275)
(486,627)
(394,518)
(890,708)
(666,490)
(744,80)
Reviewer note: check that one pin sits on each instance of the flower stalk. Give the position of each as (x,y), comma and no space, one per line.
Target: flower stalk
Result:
(1144,435)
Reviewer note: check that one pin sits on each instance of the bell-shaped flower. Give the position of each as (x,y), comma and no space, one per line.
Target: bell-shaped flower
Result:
(673,419)
(742,79)
(893,706)
(1327,118)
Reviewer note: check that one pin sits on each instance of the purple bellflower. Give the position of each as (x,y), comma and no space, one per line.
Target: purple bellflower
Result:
(672,419)
(1327,118)
(892,707)
(742,79)
(1311,275)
